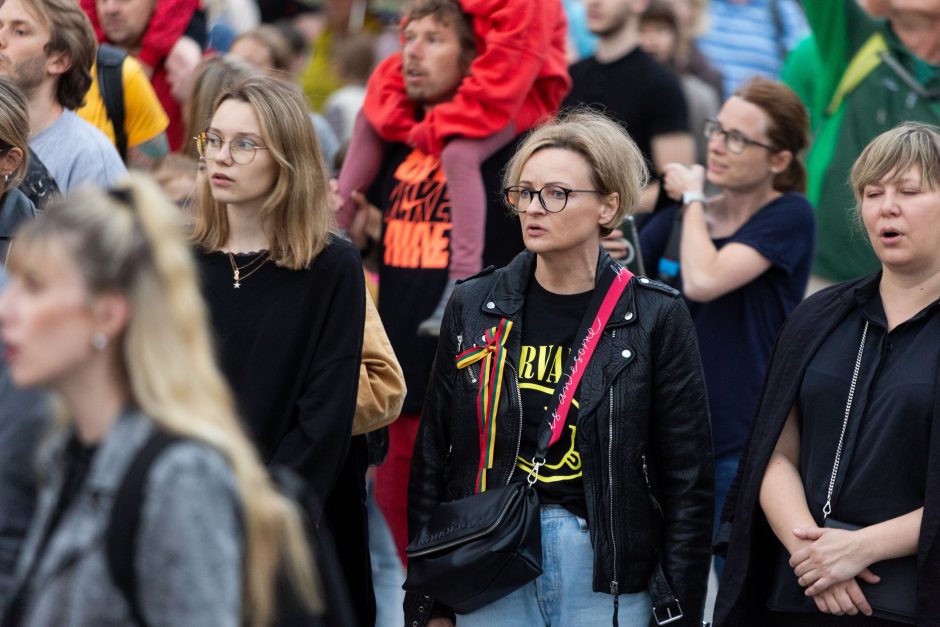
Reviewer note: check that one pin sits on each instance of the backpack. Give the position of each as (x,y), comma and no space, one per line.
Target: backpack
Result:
(110,63)
(121,543)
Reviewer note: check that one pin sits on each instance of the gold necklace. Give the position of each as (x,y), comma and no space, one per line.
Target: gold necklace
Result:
(252,266)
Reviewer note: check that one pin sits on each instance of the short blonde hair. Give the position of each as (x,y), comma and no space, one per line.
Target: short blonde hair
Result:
(894,153)
(617,165)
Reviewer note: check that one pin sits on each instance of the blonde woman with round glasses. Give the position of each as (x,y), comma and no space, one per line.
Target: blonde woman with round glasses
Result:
(103,307)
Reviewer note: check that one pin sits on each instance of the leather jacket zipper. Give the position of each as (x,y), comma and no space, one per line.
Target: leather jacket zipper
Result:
(515,382)
(469,369)
(614,584)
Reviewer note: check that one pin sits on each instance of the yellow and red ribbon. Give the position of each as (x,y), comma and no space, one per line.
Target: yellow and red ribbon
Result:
(493,354)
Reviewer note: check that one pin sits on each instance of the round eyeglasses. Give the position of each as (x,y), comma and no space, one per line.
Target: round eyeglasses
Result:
(735,141)
(242,149)
(552,198)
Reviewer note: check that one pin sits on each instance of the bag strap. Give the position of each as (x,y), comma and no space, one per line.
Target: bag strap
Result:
(110,64)
(668,269)
(121,535)
(827,508)
(611,284)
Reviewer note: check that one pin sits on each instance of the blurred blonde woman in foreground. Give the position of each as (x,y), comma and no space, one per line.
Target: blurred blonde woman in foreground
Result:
(103,307)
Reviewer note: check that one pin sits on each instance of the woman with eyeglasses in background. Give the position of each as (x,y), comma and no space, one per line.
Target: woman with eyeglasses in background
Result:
(742,257)
(287,301)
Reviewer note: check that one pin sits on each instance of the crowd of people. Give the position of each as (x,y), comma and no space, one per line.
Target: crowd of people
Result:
(469,312)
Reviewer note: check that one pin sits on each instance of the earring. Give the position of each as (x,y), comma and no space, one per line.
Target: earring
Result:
(99,341)
(6,177)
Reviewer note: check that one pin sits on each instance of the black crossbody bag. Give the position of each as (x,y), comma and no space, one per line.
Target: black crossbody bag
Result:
(479,549)
(895,596)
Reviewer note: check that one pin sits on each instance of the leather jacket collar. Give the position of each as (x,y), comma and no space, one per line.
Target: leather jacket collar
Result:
(507,296)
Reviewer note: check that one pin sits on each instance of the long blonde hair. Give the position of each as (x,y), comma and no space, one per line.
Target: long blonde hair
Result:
(296,217)
(129,241)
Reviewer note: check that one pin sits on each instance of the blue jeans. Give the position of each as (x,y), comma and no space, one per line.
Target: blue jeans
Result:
(562,595)
(388,574)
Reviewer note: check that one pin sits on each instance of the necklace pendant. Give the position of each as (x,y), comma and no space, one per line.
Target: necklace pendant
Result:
(236,285)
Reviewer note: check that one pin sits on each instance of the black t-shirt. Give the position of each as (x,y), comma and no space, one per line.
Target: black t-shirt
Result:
(736,331)
(642,94)
(883,470)
(77,463)
(549,325)
(411,191)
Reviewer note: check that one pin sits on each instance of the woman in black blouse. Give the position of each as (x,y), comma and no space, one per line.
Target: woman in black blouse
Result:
(841,459)
(286,297)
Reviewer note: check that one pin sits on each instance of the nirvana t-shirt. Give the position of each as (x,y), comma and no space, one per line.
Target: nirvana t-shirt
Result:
(549,325)
(411,191)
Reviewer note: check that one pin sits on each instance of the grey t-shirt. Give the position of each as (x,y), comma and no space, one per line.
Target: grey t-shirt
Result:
(76,152)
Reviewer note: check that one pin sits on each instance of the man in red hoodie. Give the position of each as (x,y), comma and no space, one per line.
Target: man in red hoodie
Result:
(148,30)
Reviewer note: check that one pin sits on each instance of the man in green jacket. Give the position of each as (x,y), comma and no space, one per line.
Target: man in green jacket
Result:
(875,74)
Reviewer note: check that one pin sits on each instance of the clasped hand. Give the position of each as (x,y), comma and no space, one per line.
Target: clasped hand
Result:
(827,567)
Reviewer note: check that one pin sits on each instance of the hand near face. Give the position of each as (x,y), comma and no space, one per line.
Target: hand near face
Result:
(181,66)
(367,222)
(679,179)
(835,556)
(616,244)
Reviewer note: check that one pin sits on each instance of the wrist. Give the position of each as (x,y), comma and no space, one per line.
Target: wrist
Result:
(866,546)
(689,197)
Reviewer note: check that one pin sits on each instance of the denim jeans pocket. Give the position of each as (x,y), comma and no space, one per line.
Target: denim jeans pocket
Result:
(582,524)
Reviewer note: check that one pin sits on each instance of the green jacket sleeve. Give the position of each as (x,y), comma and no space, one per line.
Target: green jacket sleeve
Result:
(841,27)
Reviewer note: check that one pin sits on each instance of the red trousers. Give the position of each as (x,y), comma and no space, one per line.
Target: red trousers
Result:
(391,479)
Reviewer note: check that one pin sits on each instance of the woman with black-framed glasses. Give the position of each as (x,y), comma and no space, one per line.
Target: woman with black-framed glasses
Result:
(742,257)
(625,486)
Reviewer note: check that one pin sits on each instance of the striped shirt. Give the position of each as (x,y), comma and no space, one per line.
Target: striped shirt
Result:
(744,39)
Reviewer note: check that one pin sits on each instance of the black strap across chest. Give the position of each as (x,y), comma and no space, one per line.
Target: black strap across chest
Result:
(123,527)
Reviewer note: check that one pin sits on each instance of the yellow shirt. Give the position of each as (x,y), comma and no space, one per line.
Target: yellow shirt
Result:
(319,78)
(144,117)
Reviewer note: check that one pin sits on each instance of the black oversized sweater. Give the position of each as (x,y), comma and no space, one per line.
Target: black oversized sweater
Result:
(290,344)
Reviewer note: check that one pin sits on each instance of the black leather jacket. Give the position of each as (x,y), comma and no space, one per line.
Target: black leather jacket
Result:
(647,472)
